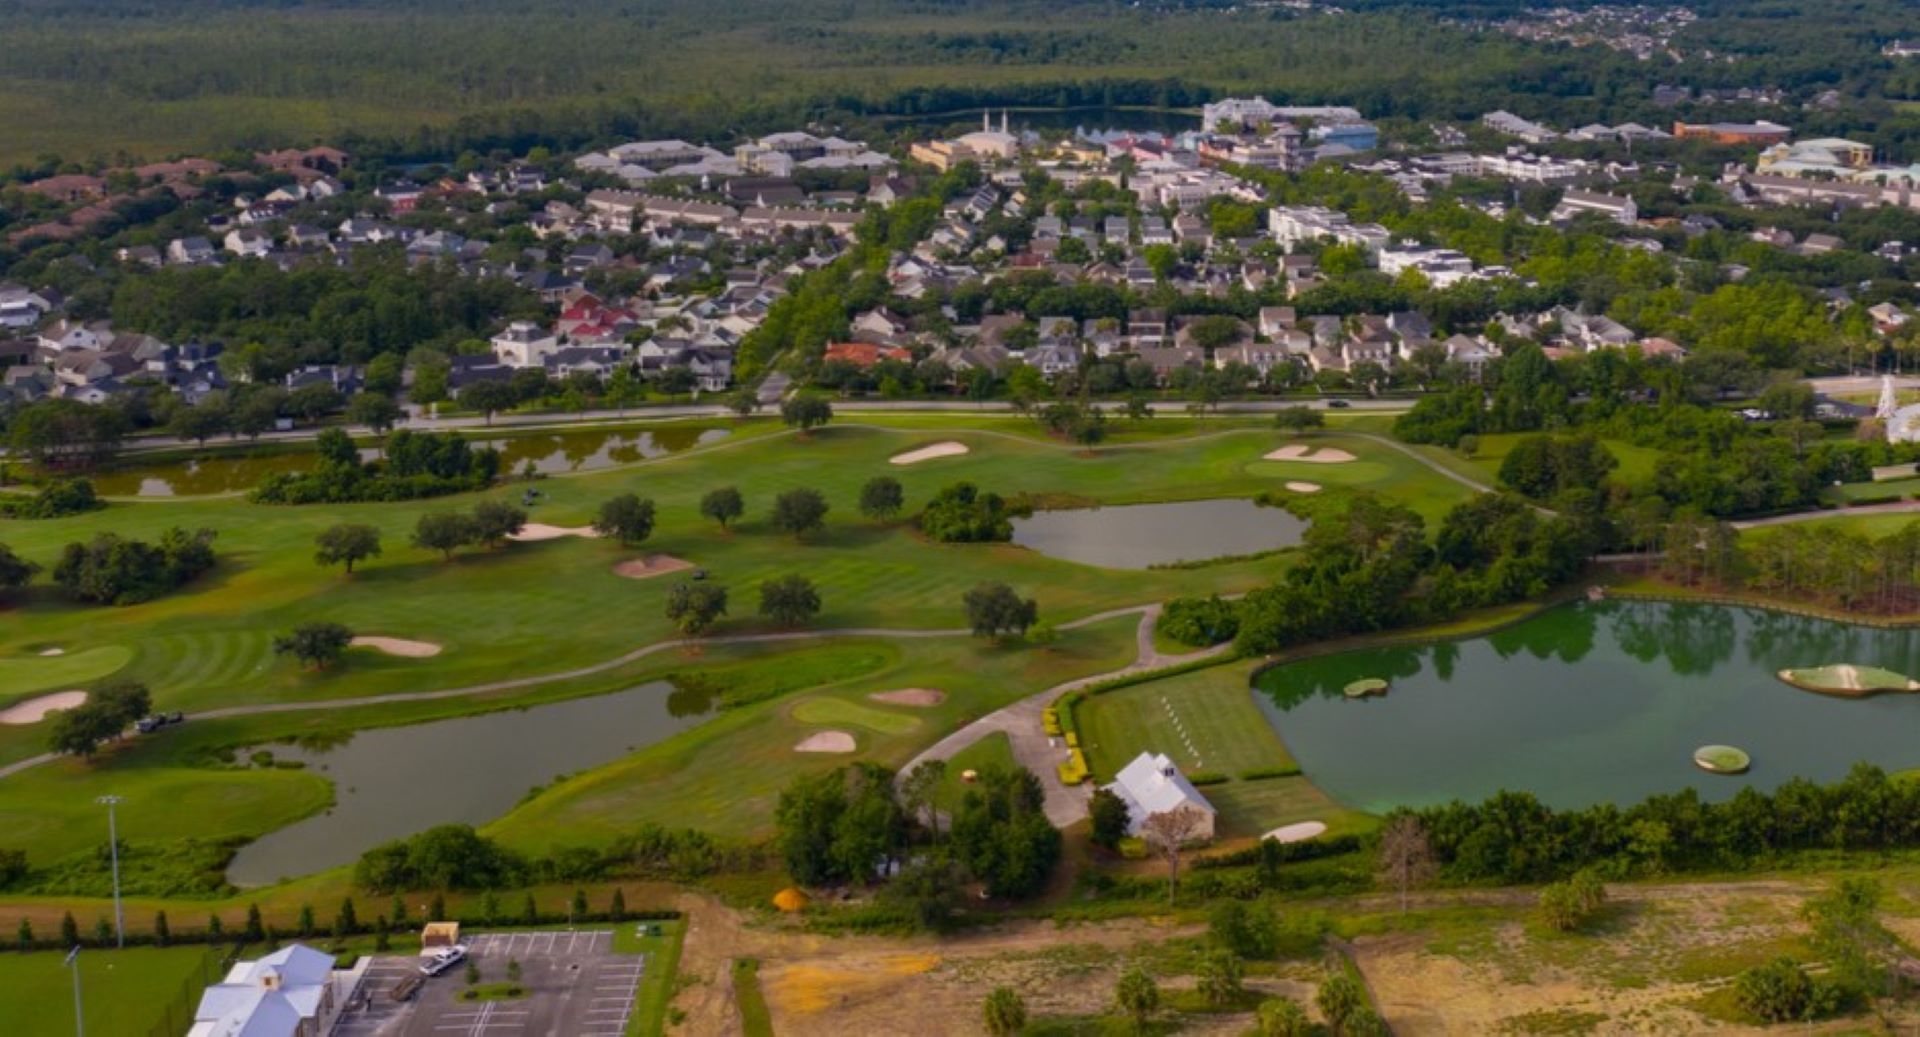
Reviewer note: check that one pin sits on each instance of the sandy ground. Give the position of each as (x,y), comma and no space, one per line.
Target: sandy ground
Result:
(649,566)
(1308,455)
(53,651)
(826,742)
(1297,833)
(398,646)
(536,531)
(1304,487)
(33,711)
(919,697)
(928,453)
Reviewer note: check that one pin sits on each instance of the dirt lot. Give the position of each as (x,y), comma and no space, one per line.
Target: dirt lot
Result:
(1474,963)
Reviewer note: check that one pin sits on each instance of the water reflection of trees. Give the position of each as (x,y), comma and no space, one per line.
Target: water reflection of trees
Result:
(1693,639)
(1290,684)
(1566,634)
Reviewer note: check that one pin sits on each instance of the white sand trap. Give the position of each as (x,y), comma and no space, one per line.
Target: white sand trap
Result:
(33,711)
(45,652)
(1304,487)
(920,697)
(398,646)
(826,742)
(928,453)
(649,566)
(1308,455)
(1298,833)
(536,531)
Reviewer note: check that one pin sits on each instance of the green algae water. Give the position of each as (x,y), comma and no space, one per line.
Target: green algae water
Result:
(1593,703)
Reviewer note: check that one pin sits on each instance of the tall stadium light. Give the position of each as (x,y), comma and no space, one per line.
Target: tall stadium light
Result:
(113,841)
(73,962)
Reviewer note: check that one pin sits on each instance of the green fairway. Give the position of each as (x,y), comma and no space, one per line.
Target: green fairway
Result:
(831,712)
(50,811)
(29,671)
(541,607)
(1250,809)
(124,992)
(545,609)
(725,775)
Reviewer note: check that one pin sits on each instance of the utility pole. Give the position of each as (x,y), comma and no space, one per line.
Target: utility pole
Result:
(113,842)
(73,962)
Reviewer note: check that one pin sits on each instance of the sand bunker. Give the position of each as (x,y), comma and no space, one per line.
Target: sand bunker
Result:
(536,531)
(398,646)
(33,711)
(921,697)
(1297,833)
(928,453)
(1308,455)
(650,566)
(1304,487)
(826,742)
(46,652)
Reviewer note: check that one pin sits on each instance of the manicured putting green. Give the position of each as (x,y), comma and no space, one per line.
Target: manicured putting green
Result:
(20,674)
(1365,687)
(1849,680)
(835,712)
(1722,759)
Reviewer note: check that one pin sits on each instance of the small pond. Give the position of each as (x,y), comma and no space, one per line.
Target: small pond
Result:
(1593,703)
(551,453)
(1139,536)
(392,782)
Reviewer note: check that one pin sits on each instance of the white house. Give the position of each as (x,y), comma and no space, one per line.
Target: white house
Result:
(524,344)
(293,992)
(1151,785)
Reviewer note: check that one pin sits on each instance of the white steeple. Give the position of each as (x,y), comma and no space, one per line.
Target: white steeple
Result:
(1889,400)
(1003,120)
(986,121)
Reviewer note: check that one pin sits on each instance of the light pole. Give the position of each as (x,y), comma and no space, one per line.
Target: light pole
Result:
(113,842)
(73,962)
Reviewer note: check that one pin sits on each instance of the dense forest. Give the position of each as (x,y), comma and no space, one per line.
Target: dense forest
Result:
(421,78)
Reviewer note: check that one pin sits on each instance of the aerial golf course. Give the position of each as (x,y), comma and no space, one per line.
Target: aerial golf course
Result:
(552,618)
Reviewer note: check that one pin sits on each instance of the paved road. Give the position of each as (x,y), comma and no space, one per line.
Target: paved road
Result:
(1032,749)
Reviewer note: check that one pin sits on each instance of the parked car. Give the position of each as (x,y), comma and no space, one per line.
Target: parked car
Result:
(444,959)
(1338,404)
(148,725)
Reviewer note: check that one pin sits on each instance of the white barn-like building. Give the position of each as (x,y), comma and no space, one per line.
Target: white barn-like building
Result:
(1151,785)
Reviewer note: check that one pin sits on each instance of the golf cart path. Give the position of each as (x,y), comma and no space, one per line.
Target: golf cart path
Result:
(1148,612)
(1032,748)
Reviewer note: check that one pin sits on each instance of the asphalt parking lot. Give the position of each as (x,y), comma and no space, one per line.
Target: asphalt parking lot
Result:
(576,987)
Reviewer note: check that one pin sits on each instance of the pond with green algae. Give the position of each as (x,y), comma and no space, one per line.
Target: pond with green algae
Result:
(1592,703)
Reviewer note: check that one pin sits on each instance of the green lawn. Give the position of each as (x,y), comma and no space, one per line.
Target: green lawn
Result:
(1636,462)
(1228,735)
(657,983)
(995,750)
(124,992)
(755,1018)
(1224,731)
(831,712)
(28,672)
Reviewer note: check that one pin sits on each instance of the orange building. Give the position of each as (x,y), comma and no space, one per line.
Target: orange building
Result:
(1762,133)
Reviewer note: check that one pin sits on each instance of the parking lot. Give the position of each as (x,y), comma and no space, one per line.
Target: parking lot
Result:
(576,987)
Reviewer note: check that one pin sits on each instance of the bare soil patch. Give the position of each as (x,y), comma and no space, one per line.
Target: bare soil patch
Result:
(928,453)
(34,710)
(649,566)
(922,698)
(1310,455)
(826,742)
(533,532)
(399,646)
